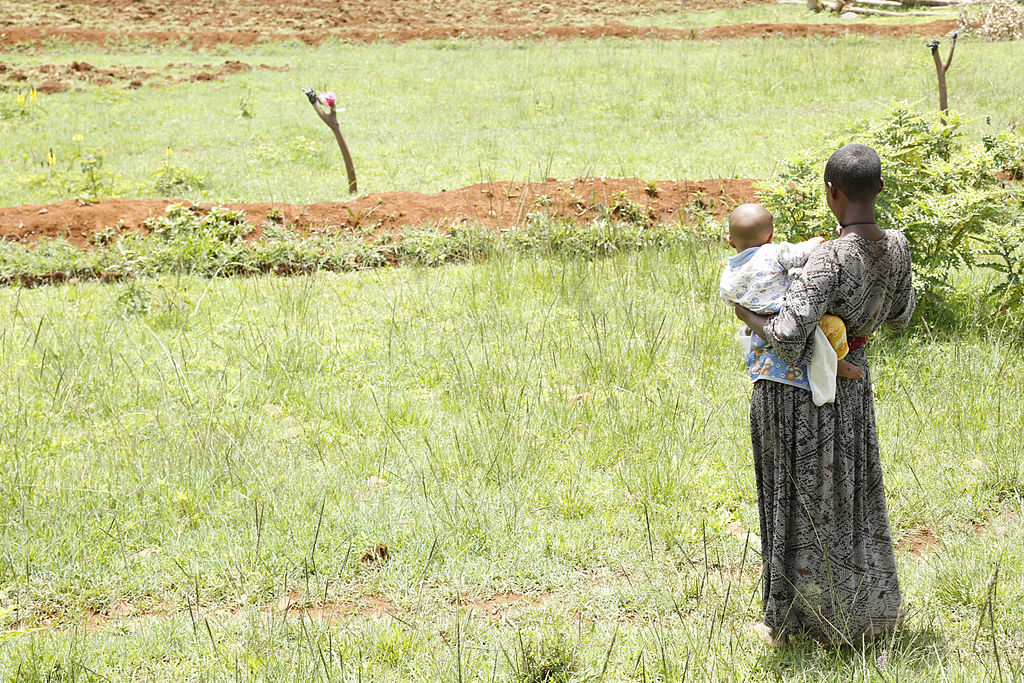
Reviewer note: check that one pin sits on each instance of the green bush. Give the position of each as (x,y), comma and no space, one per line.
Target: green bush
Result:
(955,200)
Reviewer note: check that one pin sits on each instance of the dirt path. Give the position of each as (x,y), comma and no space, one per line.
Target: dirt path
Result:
(494,205)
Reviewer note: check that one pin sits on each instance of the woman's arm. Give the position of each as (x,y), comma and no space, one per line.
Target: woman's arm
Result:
(789,332)
(902,306)
(903,296)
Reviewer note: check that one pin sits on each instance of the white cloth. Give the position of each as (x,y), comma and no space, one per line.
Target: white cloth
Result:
(821,371)
(757,278)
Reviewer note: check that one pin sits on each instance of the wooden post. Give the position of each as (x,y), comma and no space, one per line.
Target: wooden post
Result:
(330,117)
(941,69)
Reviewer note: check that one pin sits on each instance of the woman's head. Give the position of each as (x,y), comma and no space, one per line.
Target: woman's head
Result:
(856,171)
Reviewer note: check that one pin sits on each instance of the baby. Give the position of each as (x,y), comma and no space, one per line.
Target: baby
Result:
(761,272)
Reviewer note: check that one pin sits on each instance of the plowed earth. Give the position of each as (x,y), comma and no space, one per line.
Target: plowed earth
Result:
(51,78)
(494,205)
(206,23)
(207,39)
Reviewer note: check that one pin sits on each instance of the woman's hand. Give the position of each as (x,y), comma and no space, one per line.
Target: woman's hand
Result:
(754,321)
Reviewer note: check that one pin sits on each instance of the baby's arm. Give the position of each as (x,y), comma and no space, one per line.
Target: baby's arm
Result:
(727,287)
(795,255)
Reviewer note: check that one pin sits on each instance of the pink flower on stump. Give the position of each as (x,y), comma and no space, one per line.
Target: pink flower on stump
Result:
(329,99)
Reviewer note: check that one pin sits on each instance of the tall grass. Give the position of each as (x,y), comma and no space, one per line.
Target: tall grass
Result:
(439,115)
(572,431)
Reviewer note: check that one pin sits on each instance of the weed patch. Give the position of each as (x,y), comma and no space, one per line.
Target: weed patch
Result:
(216,242)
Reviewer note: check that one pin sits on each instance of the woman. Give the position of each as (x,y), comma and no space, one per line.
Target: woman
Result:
(829,566)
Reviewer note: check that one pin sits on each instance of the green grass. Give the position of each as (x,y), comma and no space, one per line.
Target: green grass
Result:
(568,433)
(429,116)
(574,431)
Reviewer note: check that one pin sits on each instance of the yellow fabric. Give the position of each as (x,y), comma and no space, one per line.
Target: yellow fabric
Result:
(835,332)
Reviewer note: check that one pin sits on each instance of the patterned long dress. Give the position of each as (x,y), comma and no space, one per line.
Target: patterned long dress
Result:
(829,566)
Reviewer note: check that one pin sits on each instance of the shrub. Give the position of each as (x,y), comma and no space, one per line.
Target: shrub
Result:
(949,196)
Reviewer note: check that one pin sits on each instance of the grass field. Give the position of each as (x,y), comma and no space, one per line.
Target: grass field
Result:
(433,115)
(554,452)
(197,474)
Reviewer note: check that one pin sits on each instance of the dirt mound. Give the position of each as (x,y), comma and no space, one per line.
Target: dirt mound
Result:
(206,39)
(494,205)
(51,78)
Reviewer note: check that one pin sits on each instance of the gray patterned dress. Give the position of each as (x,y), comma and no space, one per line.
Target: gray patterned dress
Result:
(829,567)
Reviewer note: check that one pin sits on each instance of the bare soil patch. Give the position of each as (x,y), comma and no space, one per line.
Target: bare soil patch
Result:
(918,541)
(368,606)
(51,78)
(494,205)
(502,603)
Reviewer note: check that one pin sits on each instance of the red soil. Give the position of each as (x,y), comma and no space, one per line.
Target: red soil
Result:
(918,541)
(206,39)
(56,77)
(493,205)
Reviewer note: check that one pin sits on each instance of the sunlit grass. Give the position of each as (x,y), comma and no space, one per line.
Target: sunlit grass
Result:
(572,431)
(434,115)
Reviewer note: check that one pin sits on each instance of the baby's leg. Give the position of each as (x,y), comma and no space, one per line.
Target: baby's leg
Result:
(835,331)
(845,368)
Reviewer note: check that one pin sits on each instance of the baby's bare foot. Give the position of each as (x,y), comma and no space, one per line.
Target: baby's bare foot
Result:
(849,370)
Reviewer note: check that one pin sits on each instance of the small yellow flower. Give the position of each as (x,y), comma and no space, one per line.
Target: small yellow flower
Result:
(77,138)
(21,98)
(168,151)
(32,95)
(51,159)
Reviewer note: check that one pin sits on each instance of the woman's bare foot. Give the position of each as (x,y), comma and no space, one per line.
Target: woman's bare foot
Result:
(845,369)
(767,635)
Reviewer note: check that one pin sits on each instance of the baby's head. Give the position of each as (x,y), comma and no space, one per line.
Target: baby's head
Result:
(750,225)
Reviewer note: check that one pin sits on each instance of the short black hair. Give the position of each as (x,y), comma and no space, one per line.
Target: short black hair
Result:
(856,170)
